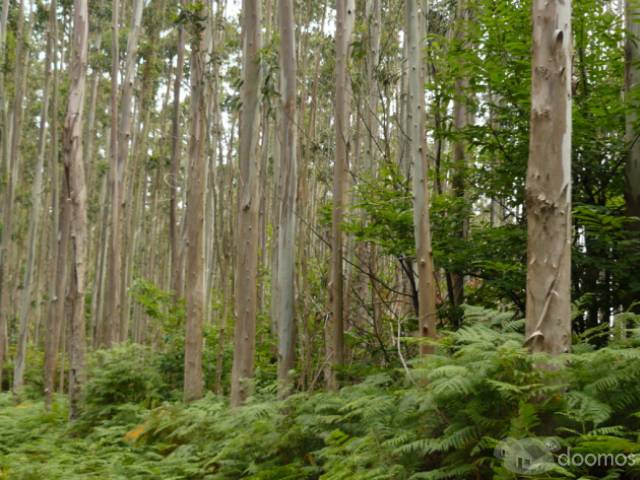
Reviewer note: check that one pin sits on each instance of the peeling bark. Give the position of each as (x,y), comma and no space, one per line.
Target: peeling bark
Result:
(548,188)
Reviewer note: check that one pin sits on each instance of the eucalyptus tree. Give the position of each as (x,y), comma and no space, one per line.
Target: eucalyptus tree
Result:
(345,21)
(194,218)
(286,187)
(248,204)
(416,144)
(74,176)
(15,160)
(113,310)
(548,187)
(177,265)
(125,135)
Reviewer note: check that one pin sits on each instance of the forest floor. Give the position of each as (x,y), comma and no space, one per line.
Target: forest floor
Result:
(443,419)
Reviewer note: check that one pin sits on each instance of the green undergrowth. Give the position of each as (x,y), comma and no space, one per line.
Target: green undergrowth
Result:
(441,419)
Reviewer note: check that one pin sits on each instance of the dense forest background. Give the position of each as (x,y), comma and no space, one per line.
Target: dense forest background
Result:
(321,210)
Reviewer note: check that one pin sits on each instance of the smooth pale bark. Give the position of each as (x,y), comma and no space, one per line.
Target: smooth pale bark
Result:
(548,187)
(345,21)
(286,188)
(248,205)
(113,305)
(194,220)
(75,178)
(417,159)
(631,81)
(124,140)
(177,266)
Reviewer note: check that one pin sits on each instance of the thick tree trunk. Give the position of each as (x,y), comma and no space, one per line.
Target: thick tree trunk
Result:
(75,178)
(286,188)
(548,189)
(248,204)
(631,81)
(194,219)
(417,158)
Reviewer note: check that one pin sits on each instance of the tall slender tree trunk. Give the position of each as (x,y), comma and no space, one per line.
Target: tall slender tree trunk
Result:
(22,55)
(24,312)
(113,306)
(248,205)
(631,81)
(548,187)
(461,117)
(75,178)
(345,21)
(427,312)
(4,142)
(60,227)
(124,139)
(286,188)
(194,219)
(177,268)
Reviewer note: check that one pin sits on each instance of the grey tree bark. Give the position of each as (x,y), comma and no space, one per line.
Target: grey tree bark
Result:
(286,189)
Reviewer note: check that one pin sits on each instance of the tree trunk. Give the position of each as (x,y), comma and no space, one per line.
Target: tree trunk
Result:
(335,335)
(16,140)
(548,187)
(194,220)
(60,226)
(286,188)
(461,117)
(36,202)
(113,307)
(417,159)
(124,139)
(248,204)
(177,269)
(75,178)
(4,118)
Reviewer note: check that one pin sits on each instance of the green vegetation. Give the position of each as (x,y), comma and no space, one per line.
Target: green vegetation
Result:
(441,419)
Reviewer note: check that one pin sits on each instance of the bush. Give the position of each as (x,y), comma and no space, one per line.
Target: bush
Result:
(126,373)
